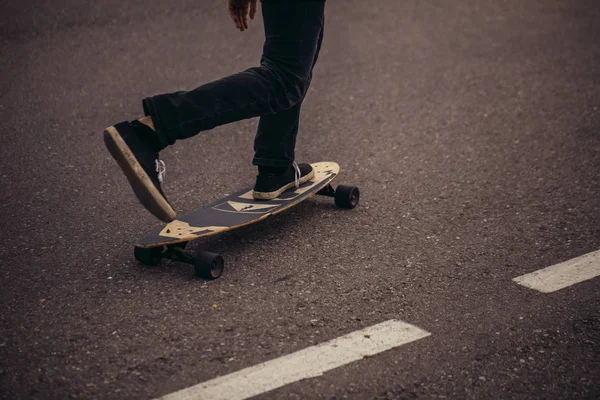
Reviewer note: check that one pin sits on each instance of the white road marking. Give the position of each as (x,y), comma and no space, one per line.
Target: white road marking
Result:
(307,363)
(562,275)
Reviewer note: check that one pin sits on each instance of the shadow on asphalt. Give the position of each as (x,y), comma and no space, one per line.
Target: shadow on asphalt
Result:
(257,239)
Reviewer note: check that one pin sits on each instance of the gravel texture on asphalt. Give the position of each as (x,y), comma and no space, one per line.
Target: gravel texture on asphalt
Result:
(472,129)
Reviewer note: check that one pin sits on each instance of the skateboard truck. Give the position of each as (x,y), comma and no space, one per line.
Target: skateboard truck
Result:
(327,191)
(206,264)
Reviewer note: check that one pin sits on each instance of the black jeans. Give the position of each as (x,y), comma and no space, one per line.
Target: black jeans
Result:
(274,91)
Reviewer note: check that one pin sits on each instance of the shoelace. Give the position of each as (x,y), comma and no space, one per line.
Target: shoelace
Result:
(297,174)
(161,169)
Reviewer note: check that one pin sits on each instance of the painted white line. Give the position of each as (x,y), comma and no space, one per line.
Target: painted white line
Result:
(307,363)
(562,275)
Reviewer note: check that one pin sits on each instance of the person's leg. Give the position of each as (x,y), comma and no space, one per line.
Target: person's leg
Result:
(292,28)
(275,139)
(274,147)
(292,32)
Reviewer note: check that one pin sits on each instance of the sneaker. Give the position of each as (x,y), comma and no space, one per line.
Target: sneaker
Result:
(138,159)
(270,183)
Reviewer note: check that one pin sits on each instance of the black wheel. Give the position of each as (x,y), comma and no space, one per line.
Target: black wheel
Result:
(347,196)
(148,256)
(208,265)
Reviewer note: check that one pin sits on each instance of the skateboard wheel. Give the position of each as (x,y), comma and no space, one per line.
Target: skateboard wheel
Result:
(148,256)
(208,265)
(346,196)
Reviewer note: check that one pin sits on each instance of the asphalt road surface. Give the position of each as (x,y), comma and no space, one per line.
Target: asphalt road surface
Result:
(471,127)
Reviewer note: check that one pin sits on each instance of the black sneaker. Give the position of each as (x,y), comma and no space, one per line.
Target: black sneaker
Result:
(270,184)
(138,159)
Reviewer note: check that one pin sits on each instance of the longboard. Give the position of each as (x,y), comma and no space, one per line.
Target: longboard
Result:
(231,212)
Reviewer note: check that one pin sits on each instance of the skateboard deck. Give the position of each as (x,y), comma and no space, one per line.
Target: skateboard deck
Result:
(231,212)
(236,210)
